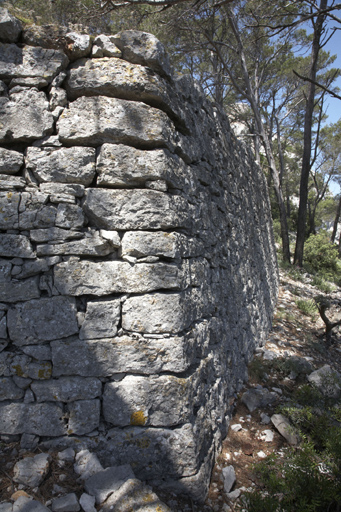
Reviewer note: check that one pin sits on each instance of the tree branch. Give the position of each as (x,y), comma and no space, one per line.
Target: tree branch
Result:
(307,79)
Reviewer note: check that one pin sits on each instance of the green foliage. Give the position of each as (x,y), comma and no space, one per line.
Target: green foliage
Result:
(322,284)
(321,255)
(308,307)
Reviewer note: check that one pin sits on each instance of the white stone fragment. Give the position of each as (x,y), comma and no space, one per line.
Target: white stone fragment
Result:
(229,478)
(87,464)
(32,470)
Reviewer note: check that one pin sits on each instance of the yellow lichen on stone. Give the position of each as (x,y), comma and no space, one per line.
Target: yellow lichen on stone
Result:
(138,418)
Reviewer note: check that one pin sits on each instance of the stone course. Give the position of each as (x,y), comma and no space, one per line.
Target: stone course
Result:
(137,263)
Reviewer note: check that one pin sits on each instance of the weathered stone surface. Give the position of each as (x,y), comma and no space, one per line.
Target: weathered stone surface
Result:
(10,27)
(87,502)
(33,268)
(146,243)
(87,464)
(9,205)
(134,496)
(16,246)
(10,161)
(229,478)
(327,380)
(46,319)
(154,453)
(142,48)
(61,188)
(104,46)
(34,213)
(65,165)
(101,320)
(16,291)
(94,121)
(67,389)
(83,416)
(30,62)
(88,246)
(254,398)
(39,352)
(57,97)
(39,419)
(138,401)
(58,37)
(25,116)
(68,503)
(23,366)
(112,236)
(3,329)
(102,484)
(284,427)
(121,354)
(24,504)
(12,182)
(136,209)
(9,391)
(54,234)
(69,216)
(31,471)
(157,313)
(86,277)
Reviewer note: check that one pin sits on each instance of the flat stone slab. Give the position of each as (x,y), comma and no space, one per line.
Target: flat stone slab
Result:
(67,389)
(16,246)
(104,483)
(284,427)
(87,464)
(101,320)
(134,496)
(67,503)
(38,419)
(10,161)
(31,471)
(84,416)
(229,478)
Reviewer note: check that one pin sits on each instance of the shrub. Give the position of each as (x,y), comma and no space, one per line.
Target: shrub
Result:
(308,307)
(321,255)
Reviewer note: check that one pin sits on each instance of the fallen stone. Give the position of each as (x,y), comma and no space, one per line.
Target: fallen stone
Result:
(229,478)
(68,503)
(87,464)
(265,419)
(84,416)
(46,319)
(104,483)
(267,436)
(67,455)
(87,502)
(65,165)
(67,389)
(327,380)
(284,427)
(237,427)
(24,504)
(233,495)
(254,398)
(10,161)
(134,496)
(269,355)
(142,48)
(18,246)
(10,27)
(101,320)
(31,471)
(94,121)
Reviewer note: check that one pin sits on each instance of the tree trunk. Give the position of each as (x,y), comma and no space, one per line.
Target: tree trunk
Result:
(302,209)
(336,221)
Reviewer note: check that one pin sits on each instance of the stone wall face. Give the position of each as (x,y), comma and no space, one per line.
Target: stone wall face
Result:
(138,270)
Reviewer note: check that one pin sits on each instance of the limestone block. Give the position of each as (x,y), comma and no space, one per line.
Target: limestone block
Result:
(327,380)
(11,182)
(87,502)
(88,246)
(121,79)
(148,401)
(36,82)
(69,216)
(57,97)
(23,504)
(61,188)
(121,166)
(34,212)
(135,209)
(38,419)
(134,495)
(84,416)
(285,428)
(157,313)
(67,389)
(33,268)
(102,484)
(78,45)
(23,366)
(31,471)
(10,27)
(9,205)
(155,453)
(142,48)
(94,121)
(15,291)
(87,464)
(65,165)
(16,246)
(54,234)
(146,243)
(24,116)
(104,358)
(101,320)
(46,319)
(9,391)
(39,352)
(30,62)
(57,37)
(10,161)
(67,503)
(104,46)
(87,277)
(112,236)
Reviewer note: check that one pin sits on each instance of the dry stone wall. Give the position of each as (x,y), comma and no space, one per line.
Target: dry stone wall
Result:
(138,270)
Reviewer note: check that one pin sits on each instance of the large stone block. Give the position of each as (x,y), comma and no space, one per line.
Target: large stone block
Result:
(94,121)
(65,165)
(104,358)
(101,320)
(46,319)
(67,389)
(34,211)
(30,62)
(84,416)
(87,277)
(10,161)
(136,209)
(89,246)
(121,166)
(69,216)
(38,419)
(54,234)
(16,291)
(10,27)
(9,206)
(16,246)
(9,391)
(148,243)
(24,116)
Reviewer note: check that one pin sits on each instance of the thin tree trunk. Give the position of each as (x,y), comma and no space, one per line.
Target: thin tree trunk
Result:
(302,209)
(336,221)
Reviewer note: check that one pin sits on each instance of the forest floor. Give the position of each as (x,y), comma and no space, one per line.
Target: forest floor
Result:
(293,334)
